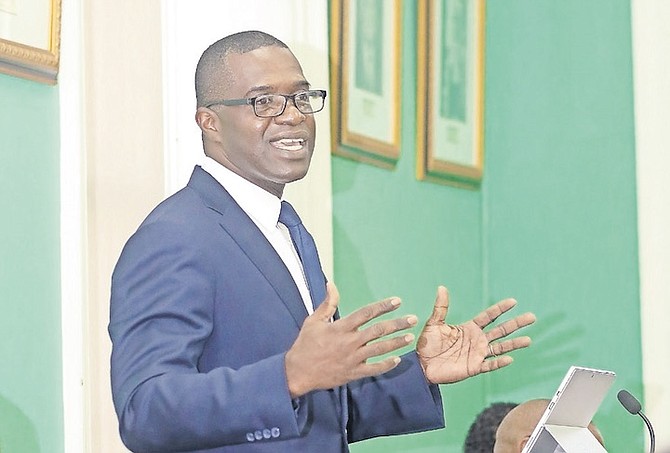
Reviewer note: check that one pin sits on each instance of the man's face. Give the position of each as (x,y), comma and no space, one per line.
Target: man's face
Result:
(269,152)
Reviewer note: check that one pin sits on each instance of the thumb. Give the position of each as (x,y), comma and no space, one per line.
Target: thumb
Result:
(440,308)
(326,310)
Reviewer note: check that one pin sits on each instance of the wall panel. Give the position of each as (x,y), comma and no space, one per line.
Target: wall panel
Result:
(31,418)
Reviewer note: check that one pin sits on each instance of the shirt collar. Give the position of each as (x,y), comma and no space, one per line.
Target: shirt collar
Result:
(259,204)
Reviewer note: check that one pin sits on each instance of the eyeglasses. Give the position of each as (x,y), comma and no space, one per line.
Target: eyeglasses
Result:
(270,105)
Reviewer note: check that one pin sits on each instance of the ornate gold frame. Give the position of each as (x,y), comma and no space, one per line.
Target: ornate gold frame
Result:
(345,142)
(431,164)
(34,63)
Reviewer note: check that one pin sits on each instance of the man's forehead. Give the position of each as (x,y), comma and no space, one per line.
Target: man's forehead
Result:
(266,58)
(262,69)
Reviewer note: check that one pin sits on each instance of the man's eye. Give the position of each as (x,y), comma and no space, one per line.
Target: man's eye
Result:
(302,98)
(264,100)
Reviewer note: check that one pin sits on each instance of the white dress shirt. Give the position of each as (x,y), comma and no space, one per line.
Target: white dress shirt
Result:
(263,208)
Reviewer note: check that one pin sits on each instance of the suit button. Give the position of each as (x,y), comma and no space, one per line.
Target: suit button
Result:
(250,437)
(274,432)
(258,435)
(266,434)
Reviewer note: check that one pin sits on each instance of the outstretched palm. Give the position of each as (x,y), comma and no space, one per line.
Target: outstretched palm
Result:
(451,353)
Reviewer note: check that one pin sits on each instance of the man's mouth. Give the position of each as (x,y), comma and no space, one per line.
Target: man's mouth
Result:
(289,144)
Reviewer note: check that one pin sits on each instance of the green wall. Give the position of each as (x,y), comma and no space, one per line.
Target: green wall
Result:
(30,334)
(553,225)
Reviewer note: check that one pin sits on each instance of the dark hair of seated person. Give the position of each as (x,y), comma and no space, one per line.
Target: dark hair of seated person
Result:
(482,433)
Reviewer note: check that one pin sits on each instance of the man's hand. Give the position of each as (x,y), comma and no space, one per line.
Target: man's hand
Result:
(329,353)
(450,353)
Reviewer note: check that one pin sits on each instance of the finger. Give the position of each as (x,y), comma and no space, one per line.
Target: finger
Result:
(381,347)
(326,310)
(496,363)
(492,313)
(510,326)
(383,328)
(440,308)
(361,316)
(504,347)
(376,368)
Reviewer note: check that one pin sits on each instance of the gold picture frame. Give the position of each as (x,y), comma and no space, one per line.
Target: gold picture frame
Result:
(365,49)
(450,91)
(30,39)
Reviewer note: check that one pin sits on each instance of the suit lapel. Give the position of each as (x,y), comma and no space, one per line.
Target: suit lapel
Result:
(237,224)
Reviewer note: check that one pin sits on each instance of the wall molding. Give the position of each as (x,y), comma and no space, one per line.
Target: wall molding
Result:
(651,45)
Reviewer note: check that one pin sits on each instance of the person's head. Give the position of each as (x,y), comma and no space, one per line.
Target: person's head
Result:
(270,151)
(482,433)
(517,426)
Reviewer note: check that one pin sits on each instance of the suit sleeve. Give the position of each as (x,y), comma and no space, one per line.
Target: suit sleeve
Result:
(161,317)
(398,402)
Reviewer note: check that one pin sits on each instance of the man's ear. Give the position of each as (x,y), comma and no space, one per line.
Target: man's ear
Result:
(207,120)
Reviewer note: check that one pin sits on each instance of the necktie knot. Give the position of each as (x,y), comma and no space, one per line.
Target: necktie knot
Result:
(288,216)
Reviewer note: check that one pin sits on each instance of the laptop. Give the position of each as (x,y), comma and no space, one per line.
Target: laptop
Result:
(564,425)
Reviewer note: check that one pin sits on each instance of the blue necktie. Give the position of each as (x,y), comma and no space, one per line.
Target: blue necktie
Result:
(316,281)
(304,244)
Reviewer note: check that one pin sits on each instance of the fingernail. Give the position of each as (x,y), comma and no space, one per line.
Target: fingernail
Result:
(409,338)
(395,301)
(412,320)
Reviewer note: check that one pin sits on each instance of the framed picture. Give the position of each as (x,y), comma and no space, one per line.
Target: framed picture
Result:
(450,91)
(365,44)
(30,39)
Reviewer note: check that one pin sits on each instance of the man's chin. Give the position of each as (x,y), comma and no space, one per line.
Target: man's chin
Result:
(296,177)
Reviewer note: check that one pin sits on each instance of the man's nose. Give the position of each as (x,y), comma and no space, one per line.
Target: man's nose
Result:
(291,114)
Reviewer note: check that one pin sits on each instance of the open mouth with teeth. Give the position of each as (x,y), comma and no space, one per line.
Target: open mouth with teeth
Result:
(289,144)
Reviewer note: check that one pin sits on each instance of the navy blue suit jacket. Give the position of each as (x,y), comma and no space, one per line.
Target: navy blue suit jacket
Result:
(203,311)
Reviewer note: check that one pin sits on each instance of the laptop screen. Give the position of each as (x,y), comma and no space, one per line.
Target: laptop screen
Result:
(575,402)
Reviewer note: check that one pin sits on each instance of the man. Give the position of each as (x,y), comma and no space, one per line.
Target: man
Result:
(517,426)
(224,338)
(482,433)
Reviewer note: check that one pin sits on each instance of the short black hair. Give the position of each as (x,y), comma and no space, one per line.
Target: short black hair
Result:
(212,61)
(482,433)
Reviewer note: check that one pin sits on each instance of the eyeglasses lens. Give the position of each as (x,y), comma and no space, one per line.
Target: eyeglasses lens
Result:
(270,105)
